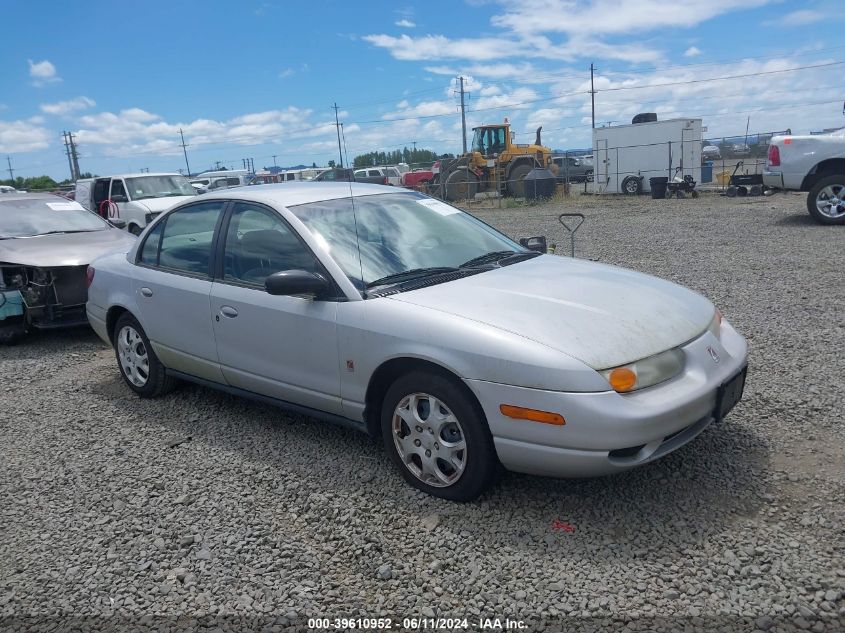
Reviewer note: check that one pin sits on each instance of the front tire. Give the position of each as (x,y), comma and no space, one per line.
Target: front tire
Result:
(139,366)
(826,200)
(461,184)
(516,180)
(437,437)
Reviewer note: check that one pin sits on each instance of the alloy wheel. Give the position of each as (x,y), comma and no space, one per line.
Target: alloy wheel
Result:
(429,439)
(830,201)
(132,352)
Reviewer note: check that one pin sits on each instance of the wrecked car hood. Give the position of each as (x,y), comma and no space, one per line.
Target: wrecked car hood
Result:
(64,249)
(602,315)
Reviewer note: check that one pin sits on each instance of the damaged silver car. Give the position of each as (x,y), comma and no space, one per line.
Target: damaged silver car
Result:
(46,244)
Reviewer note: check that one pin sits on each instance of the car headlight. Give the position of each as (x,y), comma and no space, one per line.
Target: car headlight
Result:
(715,327)
(646,372)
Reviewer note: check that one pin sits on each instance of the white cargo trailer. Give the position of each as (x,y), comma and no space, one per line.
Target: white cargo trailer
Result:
(627,156)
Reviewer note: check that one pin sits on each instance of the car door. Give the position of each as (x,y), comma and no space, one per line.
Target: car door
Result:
(172,286)
(284,347)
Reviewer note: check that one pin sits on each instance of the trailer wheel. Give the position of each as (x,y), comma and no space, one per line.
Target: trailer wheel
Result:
(694,193)
(730,192)
(632,186)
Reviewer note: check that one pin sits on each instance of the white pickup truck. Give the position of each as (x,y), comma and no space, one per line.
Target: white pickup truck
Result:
(814,163)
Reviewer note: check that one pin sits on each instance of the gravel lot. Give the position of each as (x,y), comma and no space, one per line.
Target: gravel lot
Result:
(266,519)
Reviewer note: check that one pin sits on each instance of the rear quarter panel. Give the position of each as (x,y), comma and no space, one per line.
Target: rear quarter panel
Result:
(112,287)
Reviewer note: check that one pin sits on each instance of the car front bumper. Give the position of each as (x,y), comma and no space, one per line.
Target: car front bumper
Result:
(606,432)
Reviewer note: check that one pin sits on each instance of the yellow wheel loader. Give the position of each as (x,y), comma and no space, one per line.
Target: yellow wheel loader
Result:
(495,164)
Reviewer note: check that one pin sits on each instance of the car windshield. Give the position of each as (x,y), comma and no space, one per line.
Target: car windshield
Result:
(142,187)
(28,217)
(398,232)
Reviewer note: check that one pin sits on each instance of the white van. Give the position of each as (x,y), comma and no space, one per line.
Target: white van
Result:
(134,198)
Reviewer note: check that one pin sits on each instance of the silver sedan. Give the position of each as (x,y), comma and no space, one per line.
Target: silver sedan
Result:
(404,317)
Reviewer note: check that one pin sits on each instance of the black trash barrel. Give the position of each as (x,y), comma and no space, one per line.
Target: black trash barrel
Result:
(658,187)
(539,183)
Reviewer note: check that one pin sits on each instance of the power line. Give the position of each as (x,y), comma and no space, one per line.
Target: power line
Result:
(744,76)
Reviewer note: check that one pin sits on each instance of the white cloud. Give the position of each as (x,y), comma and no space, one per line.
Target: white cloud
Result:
(405,23)
(42,73)
(521,71)
(692,51)
(602,17)
(134,130)
(581,29)
(798,18)
(287,72)
(23,136)
(66,107)
(435,47)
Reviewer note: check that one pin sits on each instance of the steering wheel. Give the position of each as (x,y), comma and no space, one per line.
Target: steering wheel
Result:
(428,241)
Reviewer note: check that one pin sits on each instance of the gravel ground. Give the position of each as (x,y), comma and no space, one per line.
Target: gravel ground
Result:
(262,520)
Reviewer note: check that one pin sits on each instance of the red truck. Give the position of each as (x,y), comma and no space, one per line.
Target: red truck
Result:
(414,179)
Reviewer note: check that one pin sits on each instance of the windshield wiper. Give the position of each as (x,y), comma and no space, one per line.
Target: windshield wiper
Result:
(407,275)
(68,231)
(496,256)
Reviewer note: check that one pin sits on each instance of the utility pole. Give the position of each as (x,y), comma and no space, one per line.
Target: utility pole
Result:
(337,125)
(463,116)
(217,165)
(11,171)
(593,94)
(274,160)
(184,151)
(345,153)
(67,151)
(74,156)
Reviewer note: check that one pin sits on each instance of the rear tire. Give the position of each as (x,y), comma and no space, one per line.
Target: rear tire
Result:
(139,366)
(821,200)
(437,436)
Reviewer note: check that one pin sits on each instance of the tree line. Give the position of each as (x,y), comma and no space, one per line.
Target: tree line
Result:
(40,183)
(410,156)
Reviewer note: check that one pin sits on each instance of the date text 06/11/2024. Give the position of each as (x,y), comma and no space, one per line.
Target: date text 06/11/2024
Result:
(422,624)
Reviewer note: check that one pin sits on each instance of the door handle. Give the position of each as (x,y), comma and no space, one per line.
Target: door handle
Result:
(147,292)
(228,311)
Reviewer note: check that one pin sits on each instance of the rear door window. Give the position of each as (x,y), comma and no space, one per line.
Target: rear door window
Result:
(187,237)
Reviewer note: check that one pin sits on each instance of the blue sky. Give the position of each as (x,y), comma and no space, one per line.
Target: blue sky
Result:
(258,78)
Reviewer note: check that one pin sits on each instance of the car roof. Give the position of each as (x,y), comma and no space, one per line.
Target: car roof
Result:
(18,195)
(137,175)
(297,192)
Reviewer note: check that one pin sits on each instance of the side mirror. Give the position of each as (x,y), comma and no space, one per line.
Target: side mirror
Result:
(119,198)
(117,223)
(537,243)
(296,282)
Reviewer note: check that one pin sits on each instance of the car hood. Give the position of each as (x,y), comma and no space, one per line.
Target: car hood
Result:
(602,315)
(64,249)
(158,205)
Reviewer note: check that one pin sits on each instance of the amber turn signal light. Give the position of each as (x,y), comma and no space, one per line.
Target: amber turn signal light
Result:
(521,413)
(622,379)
